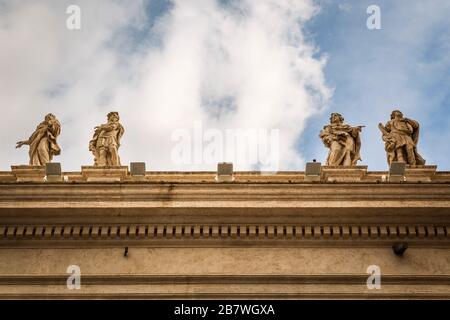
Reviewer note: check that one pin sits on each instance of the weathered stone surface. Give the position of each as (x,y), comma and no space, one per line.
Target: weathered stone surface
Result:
(53,169)
(343,173)
(137,169)
(260,236)
(419,173)
(302,272)
(401,136)
(104,173)
(42,142)
(313,171)
(105,143)
(25,173)
(53,172)
(343,141)
(224,172)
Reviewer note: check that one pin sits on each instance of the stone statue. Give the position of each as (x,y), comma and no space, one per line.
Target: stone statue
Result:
(42,142)
(401,136)
(106,142)
(343,141)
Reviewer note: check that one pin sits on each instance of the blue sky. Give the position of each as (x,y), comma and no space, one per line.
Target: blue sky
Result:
(166,65)
(404,65)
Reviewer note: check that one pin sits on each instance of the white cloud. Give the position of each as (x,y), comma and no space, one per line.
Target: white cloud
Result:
(244,64)
(47,68)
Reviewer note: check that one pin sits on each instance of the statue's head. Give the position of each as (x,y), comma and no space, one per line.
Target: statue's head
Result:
(49,117)
(113,116)
(336,118)
(396,114)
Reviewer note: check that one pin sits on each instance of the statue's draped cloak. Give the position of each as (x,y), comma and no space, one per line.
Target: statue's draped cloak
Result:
(94,143)
(352,143)
(396,138)
(43,145)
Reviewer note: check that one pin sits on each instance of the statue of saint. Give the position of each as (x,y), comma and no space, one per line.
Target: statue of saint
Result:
(343,141)
(42,142)
(401,136)
(106,142)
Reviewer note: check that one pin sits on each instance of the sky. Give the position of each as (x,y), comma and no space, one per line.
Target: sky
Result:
(187,75)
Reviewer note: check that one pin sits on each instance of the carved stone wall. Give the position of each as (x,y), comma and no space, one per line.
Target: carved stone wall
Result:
(261,236)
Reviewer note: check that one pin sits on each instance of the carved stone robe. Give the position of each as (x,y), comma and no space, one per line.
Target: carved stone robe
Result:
(402,133)
(107,137)
(43,145)
(344,143)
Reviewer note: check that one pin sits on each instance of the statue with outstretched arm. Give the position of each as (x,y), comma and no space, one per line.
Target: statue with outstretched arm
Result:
(343,141)
(42,142)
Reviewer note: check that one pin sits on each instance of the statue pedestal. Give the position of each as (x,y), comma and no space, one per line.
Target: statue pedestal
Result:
(104,173)
(420,173)
(26,173)
(343,173)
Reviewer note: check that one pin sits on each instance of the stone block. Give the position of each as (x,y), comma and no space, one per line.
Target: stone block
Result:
(365,231)
(178,231)
(29,173)
(261,231)
(215,232)
(10,232)
(225,172)
(234,232)
(197,231)
(383,232)
(345,232)
(104,233)
(397,169)
(397,172)
(312,171)
(373,232)
(271,231)
(86,232)
(343,173)
(298,232)
(308,232)
(95,232)
(53,172)
(317,232)
(132,232)
(104,174)
(326,232)
(336,232)
(122,232)
(137,169)
(289,232)
(420,173)
(252,231)
(224,231)
(421,232)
